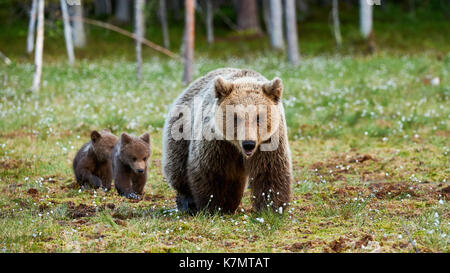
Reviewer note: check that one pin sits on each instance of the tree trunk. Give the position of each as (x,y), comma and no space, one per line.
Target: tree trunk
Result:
(336,23)
(79,37)
(210,21)
(122,13)
(139,32)
(291,32)
(183,41)
(164,25)
(102,7)
(266,15)
(247,18)
(276,24)
(39,47)
(365,17)
(67,32)
(189,41)
(31,27)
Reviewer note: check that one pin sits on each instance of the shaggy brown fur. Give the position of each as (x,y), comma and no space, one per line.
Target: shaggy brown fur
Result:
(213,173)
(92,165)
(129,163)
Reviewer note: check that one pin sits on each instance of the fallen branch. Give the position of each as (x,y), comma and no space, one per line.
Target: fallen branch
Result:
(4,58)
(129,34)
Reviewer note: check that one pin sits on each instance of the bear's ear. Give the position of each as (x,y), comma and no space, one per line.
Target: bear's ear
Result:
(95,136)
(222,87)
(145,137)
(273,89)
(125,139)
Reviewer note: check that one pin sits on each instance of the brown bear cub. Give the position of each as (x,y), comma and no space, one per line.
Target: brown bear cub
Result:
(129,164)
(92,165)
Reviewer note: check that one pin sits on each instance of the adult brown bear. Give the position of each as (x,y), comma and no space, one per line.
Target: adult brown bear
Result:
(217,137)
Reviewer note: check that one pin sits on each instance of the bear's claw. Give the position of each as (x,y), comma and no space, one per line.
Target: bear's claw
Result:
(132,196)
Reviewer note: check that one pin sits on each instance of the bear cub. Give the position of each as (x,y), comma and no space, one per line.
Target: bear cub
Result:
(129,164)
(92,165)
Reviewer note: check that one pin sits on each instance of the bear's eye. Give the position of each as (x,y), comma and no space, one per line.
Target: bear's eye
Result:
(145,158)
(112,147)
(134,158)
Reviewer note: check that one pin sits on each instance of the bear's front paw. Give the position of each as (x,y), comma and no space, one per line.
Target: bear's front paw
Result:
(132,196)
(95,182)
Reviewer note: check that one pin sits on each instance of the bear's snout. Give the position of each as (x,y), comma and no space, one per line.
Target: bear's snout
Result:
(249,146)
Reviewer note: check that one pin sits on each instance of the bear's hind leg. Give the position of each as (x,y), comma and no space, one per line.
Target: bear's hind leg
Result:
(175,157)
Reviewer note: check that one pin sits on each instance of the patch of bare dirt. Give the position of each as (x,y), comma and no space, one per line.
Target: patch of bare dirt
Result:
(15,134)
(446,193)
(348,191)
(334,168)
(363,241)
(33,192)
(299,246)
(11,164)
(110,206)
(81,210)
(385,189)
(339,244)
(120,222)
(361,158)
(304,246)
(443,133)
(154,197)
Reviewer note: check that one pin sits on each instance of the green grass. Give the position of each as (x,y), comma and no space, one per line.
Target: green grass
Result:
(369,138)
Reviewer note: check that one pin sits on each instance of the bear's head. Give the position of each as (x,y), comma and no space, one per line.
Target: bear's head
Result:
(103,143)
(247,112)
(135,151)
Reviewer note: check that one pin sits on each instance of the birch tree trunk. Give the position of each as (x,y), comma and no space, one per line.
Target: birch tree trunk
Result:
(67,32)
(39,47)
(209,21)
(365,18)
(164,25)
(122,13)
(139,31)
(336,23)
(276,24)
(31,27)
(291,32)
(189,41)
(79,37)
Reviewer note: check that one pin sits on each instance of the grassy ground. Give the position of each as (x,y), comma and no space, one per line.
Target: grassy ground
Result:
(369,137)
